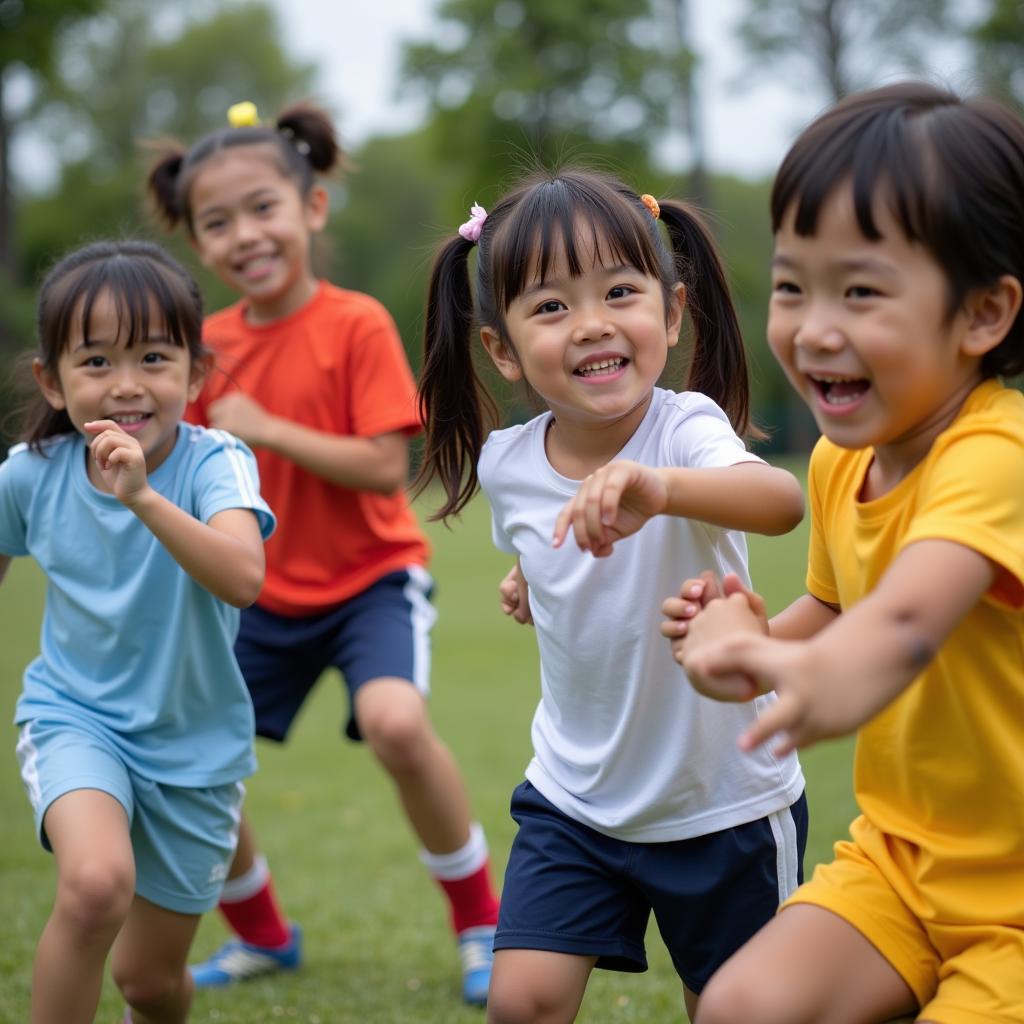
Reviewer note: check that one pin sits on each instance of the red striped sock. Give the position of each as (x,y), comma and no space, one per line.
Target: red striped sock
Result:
(249,905)
(472,899)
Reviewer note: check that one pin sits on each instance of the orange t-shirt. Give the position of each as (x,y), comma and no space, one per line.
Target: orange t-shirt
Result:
(336,365)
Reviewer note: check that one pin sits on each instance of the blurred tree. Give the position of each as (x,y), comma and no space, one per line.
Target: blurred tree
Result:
(28,37)
(842,45)
(528,81)
(999,38)
(125,78)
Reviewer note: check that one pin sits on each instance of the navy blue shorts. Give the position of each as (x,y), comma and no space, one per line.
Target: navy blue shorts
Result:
(382,632)
(571,889)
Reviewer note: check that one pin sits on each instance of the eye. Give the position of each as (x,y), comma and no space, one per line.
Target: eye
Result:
(783,287)
(213,226)
(861,291)
(153,358)
(621,291)
(264,206)
(95,362)
(550,306)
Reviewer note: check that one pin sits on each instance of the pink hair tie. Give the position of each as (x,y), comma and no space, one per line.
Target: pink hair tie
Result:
(470,231)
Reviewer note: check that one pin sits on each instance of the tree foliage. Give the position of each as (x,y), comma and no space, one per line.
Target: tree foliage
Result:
(839,46)
(1000,50)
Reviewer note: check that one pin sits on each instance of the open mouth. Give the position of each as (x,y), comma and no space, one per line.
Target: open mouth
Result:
(601,367)
(130,419)
(840,390)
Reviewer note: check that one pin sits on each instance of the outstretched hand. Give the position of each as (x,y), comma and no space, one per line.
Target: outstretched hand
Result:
(119,459)
(611,503)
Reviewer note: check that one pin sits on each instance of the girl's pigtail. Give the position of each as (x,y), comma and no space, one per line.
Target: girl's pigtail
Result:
(456,408)
(311,131)
(162,183)
(718,365)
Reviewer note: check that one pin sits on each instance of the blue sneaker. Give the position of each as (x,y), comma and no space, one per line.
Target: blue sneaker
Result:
(239,961)
(476,951)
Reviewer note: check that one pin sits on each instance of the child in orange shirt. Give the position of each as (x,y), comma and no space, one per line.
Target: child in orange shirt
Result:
(315,380)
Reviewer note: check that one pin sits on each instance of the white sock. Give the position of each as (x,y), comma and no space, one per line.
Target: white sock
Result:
(241,888)
(461,863)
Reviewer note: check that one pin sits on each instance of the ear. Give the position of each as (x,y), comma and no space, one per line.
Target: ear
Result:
(503,357)
(200,370)
(991,312)
(318,206)
(49,384)
(674,320)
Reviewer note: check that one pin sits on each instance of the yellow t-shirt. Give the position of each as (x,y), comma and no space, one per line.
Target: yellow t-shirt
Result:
(940,771)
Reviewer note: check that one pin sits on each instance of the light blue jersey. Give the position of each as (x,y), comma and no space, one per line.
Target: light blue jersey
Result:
(132,647)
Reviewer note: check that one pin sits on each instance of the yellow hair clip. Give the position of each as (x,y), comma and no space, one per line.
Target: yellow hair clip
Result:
(652,204)
(243,115)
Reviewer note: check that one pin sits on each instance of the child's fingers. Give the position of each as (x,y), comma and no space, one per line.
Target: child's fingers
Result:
(780,720)
(562,524)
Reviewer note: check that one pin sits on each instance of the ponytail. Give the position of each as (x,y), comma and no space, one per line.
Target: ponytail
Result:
(457,409)
(718,363)
(162,183)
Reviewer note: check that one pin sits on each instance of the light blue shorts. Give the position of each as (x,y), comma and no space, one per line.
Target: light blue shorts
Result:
(183,839)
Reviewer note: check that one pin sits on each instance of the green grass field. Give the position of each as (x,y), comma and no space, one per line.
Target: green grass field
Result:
(378,949)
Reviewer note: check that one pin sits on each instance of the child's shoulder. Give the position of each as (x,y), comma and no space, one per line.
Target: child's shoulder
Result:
(24,459)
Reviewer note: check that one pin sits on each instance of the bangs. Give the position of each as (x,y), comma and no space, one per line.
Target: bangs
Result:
(887,158)
(586,221)
(138,288)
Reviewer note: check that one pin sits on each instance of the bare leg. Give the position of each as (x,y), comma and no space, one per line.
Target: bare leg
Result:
(531,986)
(88,831)
(245,852)
(806,966)
(149,963)
(392,717)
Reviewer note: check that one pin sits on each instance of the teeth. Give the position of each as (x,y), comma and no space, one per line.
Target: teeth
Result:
(600,366)
(835,380)
(136,417)
(841,399)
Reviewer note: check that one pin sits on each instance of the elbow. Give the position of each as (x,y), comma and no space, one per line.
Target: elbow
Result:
(392,476)
(789,509)
(245,589)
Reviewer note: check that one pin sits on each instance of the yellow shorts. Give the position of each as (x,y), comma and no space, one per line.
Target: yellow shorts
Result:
(959,973)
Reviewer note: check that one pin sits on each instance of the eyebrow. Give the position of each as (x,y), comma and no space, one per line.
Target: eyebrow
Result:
(205,211)
(557,282)
(150,339)
(857,264)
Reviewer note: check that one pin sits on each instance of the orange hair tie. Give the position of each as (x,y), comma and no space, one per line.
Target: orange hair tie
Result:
(652,204)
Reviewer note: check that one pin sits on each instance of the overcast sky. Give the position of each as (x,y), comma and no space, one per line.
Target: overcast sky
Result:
(356,44)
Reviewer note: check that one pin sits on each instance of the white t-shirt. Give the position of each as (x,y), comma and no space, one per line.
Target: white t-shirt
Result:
(621,741)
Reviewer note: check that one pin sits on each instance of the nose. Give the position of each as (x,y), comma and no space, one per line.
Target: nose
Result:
(591,324)
(126,383)
(820,330)
(245,230)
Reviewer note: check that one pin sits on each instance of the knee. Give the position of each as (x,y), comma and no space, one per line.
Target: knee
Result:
(727,1000)
(151,988)
(95,895)
(517,1004)
(400,735)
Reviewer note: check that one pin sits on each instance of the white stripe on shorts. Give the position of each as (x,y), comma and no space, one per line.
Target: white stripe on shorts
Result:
(787,851)
(28,758)
(424,615)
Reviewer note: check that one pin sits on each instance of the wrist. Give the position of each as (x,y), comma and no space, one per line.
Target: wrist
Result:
(140,501)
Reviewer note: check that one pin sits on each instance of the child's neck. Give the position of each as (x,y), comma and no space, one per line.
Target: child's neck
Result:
(576,449)
(260,312)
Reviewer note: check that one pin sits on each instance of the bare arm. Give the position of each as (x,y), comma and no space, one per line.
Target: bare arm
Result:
(379,464)
(620,497)
(751,496)
(225,555)
(5,564)
(834,682)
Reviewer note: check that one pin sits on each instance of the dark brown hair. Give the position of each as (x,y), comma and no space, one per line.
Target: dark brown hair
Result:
(950,170)
(136,275)
(523,234)
(302,142)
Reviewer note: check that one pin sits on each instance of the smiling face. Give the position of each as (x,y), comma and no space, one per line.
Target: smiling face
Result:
(144,388)
(591,346)
(253,227)
(862,330)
